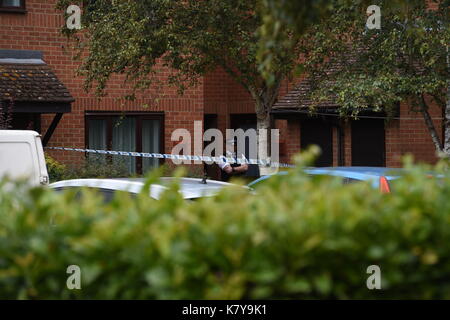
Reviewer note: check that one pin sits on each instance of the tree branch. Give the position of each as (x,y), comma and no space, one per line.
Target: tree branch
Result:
(228,69)
(429,123)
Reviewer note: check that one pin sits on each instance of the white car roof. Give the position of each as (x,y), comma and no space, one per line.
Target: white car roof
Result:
(190,188)
(19,133)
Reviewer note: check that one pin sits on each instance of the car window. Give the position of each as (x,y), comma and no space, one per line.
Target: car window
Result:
(107,194)
(350,180)
(312,176)
(327,176)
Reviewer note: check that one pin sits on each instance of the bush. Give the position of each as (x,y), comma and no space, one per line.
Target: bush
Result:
(190,171)
(297,238)
(96,166)
(92,167)
(56,170)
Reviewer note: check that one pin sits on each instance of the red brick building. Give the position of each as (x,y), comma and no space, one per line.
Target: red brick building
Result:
(372,140)
(37,71)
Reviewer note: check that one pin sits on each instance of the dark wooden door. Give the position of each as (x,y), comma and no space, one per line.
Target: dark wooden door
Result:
(320,133)
(368,143)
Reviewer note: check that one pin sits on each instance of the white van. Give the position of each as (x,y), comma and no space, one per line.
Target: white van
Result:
(22,157)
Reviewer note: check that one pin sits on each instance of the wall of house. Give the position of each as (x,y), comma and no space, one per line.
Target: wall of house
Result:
(216,96)
(409,135)
(224,96)
(217,93)
(39,29)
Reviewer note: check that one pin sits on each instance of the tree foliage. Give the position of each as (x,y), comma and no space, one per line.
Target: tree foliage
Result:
(406,60)
(284,22)
(191,38)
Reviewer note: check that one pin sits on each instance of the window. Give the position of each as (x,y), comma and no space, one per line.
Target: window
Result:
(107,194)
(132,132)
(12,5)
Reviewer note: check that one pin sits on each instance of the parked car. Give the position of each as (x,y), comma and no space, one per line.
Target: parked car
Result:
(22,157)
(380,178)
(190,188)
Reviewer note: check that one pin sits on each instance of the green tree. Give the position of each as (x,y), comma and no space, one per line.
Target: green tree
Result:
(191,38)
(284,22)
(407,59)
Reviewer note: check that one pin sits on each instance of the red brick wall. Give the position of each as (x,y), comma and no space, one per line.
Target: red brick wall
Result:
(406,136)
(218,93)
(282,126)
(393,144)
(216,97)
(348,143)
(293,139)
(409,135)
(224,96)
(39,29)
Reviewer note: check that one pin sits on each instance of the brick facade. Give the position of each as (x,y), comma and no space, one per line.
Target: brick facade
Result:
(216,93)
(406,134)
(39,29)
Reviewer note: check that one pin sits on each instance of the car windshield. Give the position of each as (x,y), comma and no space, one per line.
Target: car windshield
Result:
(345,180)
(106,194)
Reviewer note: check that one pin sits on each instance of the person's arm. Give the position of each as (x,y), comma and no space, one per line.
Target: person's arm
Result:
(241,169)
(234,170)
(225,166)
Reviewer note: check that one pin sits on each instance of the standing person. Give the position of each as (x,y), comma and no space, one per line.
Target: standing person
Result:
(235,169)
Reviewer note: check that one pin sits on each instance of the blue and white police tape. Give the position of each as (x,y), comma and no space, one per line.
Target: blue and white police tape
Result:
(206,159)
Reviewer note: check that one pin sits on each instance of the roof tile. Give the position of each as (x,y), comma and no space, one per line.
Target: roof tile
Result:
(299,97)
(31,82)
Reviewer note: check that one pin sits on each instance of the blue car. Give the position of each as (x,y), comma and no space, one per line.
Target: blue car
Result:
(379,177)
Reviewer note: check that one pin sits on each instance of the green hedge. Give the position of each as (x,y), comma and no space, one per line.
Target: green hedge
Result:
(99,166)
(296,238)
(94,166)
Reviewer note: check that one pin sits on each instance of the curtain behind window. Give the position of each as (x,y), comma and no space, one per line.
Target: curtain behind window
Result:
(97,138)
(124,139)
(151,143)
(97,134)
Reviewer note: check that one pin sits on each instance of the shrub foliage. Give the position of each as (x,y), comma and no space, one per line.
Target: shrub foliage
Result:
(295,238)
(90,167)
